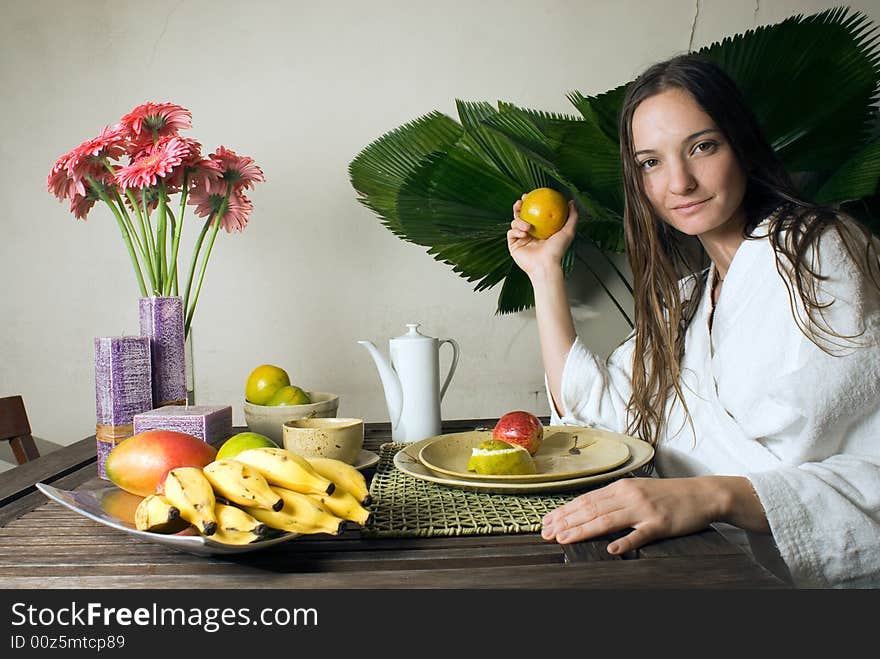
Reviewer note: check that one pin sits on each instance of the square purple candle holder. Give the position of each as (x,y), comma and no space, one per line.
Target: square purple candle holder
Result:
(210,423)
(122,389)
(161,319)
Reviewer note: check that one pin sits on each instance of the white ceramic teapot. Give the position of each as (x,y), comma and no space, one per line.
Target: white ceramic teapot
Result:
(412,383)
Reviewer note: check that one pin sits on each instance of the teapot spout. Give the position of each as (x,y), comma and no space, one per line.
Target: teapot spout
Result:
(390,382)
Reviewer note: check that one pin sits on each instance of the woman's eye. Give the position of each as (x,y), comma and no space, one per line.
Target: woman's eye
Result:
(648,164)
(703,147)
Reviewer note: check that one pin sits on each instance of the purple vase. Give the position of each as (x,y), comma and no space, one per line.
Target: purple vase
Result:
(162,321)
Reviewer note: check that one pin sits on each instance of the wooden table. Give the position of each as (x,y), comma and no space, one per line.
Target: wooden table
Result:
(43,545)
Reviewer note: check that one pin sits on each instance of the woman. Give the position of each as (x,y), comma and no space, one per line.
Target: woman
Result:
(757,378)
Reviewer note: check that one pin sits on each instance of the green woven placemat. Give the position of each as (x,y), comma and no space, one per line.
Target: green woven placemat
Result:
(404,506)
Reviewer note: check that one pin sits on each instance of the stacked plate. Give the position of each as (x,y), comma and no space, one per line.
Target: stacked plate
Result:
(570,457)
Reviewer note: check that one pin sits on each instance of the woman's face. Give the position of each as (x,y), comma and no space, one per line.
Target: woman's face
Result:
(690,173)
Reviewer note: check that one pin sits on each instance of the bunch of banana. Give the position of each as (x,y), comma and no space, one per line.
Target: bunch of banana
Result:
(236,501)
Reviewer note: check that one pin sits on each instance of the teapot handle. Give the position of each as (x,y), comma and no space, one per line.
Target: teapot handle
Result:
(452,366)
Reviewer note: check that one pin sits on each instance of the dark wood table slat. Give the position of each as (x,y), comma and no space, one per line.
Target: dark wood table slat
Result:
(724,572)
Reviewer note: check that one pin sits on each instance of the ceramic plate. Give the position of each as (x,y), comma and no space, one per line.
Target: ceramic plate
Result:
(407,460)
(94,504)
(566,452)
(365,460)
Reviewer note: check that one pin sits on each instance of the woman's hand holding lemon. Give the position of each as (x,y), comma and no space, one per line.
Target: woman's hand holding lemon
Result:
(541,259)
(540,246)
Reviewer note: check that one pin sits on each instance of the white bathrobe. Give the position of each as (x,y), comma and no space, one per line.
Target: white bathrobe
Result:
(803,426)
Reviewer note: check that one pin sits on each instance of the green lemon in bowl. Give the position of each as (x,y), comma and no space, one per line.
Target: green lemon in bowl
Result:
(289,395)
(243,441)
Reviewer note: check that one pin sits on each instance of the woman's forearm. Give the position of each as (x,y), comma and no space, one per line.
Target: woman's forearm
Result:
(737,503)
(556,331)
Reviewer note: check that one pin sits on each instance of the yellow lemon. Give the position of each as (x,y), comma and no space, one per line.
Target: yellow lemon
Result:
(263,382)
(546,210)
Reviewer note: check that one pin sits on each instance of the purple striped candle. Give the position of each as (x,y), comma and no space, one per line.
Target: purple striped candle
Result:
(162,320)
(122,389)
(211,423)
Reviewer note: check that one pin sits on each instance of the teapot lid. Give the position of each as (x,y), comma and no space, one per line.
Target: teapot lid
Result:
(412,334)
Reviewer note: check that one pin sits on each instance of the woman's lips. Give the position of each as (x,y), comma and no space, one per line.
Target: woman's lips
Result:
(689,209)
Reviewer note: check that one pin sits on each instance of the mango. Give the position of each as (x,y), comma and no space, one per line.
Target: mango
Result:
(140,463)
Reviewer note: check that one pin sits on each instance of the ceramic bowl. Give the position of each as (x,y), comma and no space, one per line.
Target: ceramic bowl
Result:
(269,419)
(337,438)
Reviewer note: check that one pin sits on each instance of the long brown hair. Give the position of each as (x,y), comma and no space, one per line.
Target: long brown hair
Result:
(661,257)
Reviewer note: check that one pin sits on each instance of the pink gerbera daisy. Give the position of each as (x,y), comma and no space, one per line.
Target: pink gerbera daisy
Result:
(191,164)
(156,120)
(71,170)
(238,208)
(241,171)
(156,162)
(80,206)
(60,183)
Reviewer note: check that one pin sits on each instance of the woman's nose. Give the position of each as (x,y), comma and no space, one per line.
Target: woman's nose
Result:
(681,179)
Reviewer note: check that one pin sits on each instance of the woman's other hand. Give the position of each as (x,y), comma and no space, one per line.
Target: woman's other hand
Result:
(655,508)
(535,256)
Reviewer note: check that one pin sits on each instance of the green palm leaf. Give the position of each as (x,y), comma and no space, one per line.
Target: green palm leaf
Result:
(856,178)
(378,171)
(810,81)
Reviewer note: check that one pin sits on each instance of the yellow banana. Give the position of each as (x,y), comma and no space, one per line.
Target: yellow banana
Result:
(286,469)
(236,527)
(241,484)
(189,491)
(155,513)
(344,505)
(343,475)
(301,514)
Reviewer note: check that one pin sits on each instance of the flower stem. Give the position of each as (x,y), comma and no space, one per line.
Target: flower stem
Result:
(218,216)
(148,258)
(161,237)
(175,241)
(140,240)
(192,264)
(125,235)
(151,241)
(192,308)
(129,225)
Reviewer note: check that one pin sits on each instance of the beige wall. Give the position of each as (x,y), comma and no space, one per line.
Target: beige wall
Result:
(302,87)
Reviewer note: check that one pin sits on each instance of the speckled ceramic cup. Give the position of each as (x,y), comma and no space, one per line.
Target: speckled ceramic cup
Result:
(337,438)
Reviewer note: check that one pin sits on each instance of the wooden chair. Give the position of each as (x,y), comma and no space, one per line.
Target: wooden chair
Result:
(15,429)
